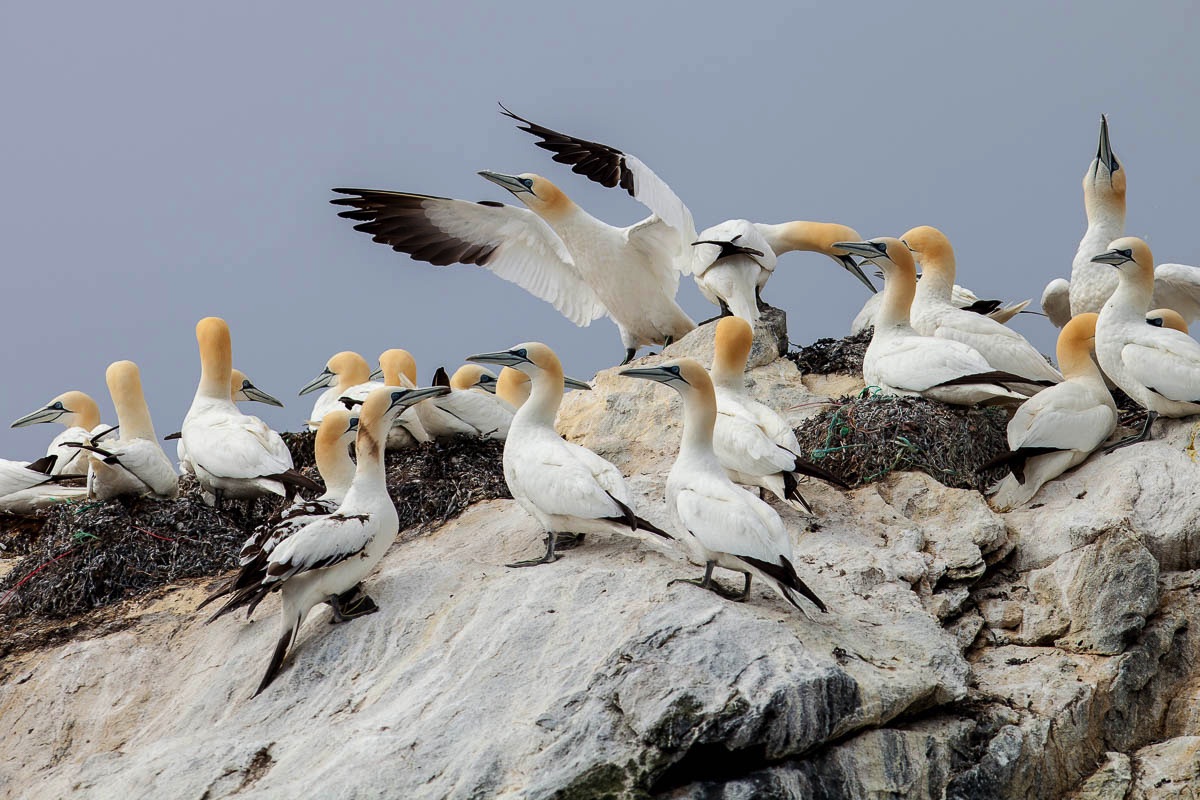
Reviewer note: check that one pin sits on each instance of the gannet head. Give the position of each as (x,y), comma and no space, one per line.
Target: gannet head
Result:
(393,364)
(1132,257)
(125,385)
(1104,182)
(216,348)
(337,429)
(543,197)
(1167,318)
(344,370)
(1075,344)
(892,256)
(70,409)
(470,376)
(684,375)
(244,391)
(826,235)
(532,358)
(931,248)
(731,347)
(379,412)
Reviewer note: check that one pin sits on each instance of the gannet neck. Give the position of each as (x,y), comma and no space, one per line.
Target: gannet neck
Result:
(513,387)
(216,359)
(548,201)
(813,237)
(899,289)
(1075,344)
(332,452)
(699,412)
(932,250)
(133,415)
(731,348)
(546,388)
(399,367)
(374,421)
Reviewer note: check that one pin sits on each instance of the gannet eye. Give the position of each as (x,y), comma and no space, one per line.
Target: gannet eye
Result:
(673,370)
(528,183)
(58,406)
(521,353)
(1127,253)
(397,395)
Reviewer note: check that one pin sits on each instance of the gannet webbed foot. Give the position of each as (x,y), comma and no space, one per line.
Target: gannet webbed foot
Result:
(1136,438)
(351,604)
(568,541)
(707,582)
(549,558)
(630,352)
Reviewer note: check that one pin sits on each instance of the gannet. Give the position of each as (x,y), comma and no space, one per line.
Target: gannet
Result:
(241,391)
(722,524)
(397,367)
(1167,318)
(234,455)
(933,314)
(331,448)
(753,443)
(901,361)
(1177,286)
(324,561)
(960,297)
(26,487)
(513,386)
(565,487)
(79,414)
(342,372)
(1060,427)
(133,463)
(556,251)
(1157,367)
(735,286)
(465,411)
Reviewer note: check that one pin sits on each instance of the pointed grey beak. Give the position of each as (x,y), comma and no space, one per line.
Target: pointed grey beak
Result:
(320,382)
(377,375)
(575,383)
(850,265)
(41,415)
(505,358)
(510,182)
(1104,153)
(657,374)
(487,383)
(1113,257)
(867,250)
(405,398)
(256,395)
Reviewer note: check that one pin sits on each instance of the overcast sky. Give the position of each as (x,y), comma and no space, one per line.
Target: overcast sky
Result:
(163,162)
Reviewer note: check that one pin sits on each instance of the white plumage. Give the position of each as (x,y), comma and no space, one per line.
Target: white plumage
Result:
(80,415)
(24,490)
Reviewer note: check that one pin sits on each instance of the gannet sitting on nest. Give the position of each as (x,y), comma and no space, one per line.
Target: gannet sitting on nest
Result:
(80,415)
(466,411)
(342,371)
(722,524)
(241,391)
(27,487)
(565,487)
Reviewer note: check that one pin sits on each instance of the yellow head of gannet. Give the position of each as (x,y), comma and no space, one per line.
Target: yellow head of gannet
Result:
(932,250)
(1104,181)
(71,409)
(242,390)
(216,357)
(900,275)
(133,415)
(470,376)
(331,449)
(543,197)
(1167,318)
(1076,342)
(1132,257)
(396,368)
(513,387)
(343,370)
(817,237)
(731,348)
(688,377)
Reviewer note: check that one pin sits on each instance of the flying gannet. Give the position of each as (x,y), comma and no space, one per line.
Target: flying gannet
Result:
(565,487)
(1060,427)
(342,372)
(753,443)
(901,361)
(79,414)
(1158,367)
(722,525)
(234,455)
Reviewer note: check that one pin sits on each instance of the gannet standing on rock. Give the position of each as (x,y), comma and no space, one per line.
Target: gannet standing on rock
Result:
(1061,426)
(723,525)
(565,487)
(933,314)
(324,561)
(1157,367)
(133,463)
(234,455)
(343,371)
(901,361)
(753,443)
(80,415)
(241,391)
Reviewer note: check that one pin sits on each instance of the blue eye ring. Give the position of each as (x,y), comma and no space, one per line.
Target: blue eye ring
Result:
(528,183)
(521,353)
(674,370)
(58,406)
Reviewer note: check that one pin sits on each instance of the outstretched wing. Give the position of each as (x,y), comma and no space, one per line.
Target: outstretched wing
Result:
(1177,286)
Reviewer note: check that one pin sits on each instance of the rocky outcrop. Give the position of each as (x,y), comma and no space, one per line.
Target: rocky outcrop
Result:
(967,654)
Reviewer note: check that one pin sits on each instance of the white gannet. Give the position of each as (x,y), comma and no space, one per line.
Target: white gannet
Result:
(555,250)
(901,361)
(234,455)
(1060,427)
(242,390)
(397,367)
(513,386)
(331,449)
(959,298)
(324,561)
(133,463)
(933,314)
(565,487)
(26,487)
(723,524)
(465,411)
(342,371)
(728,285)
(753,443)
(1167,318)
(80,415)
(1158,367)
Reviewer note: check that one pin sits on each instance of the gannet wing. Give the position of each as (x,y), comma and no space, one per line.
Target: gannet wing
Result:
(1056,301)
(1169,366)
(237,447)
(512,242)
(1067,420)
(610,167)
(322,543)
(16,476)
(725,523)
(1177,286)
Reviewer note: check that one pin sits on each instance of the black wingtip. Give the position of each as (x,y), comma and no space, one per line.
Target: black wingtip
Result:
(43,464)
(440,377)
(791,490)
(281,648)
(650,527)
(172,436)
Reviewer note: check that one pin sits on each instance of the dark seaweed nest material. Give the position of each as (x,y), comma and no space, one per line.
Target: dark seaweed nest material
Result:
(864,438)
(436,481)
(826,356)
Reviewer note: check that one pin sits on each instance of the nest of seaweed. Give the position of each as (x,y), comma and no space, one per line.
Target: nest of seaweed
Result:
(864,438)
(827,356)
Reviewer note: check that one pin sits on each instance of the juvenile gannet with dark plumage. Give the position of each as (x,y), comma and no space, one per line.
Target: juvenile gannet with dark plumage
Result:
(324,561)
(79,414)
(342,372)
(1167,318)
(234,455)
(242,390)
(565,487)
(933,314)
(26,487)
(721,524)
(732,260)
(753,443)
(1157,367)
(331,449)
(1058,428)
(132,463)
(901,361)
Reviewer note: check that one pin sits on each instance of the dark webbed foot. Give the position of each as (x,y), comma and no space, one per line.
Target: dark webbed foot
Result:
(568,541)
(351,604)
(549,558)
(1144,436)
(707,582)
(630,352)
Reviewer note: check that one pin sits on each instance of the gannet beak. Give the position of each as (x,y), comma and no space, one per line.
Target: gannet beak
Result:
(487,383)
(505,358)
(1104,153)
(256,395)
(320,382)
(47,414)
(851,266)
(867,250)
(410,397)
(510,182)
(575,383)
(657,374)
(1114,257)
(377,375)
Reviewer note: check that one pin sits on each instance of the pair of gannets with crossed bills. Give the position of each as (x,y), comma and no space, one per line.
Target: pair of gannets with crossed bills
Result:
(721,525)
(79,414)
(234,455)
(753,443)
(565,487)
(1059,427)
(1157,367)
(241,390)
(901,361)
(133,462)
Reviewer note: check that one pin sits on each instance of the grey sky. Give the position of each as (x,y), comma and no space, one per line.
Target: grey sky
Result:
(163,162)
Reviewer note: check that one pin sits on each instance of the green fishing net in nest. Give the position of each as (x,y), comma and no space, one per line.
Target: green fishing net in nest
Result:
(867,437)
